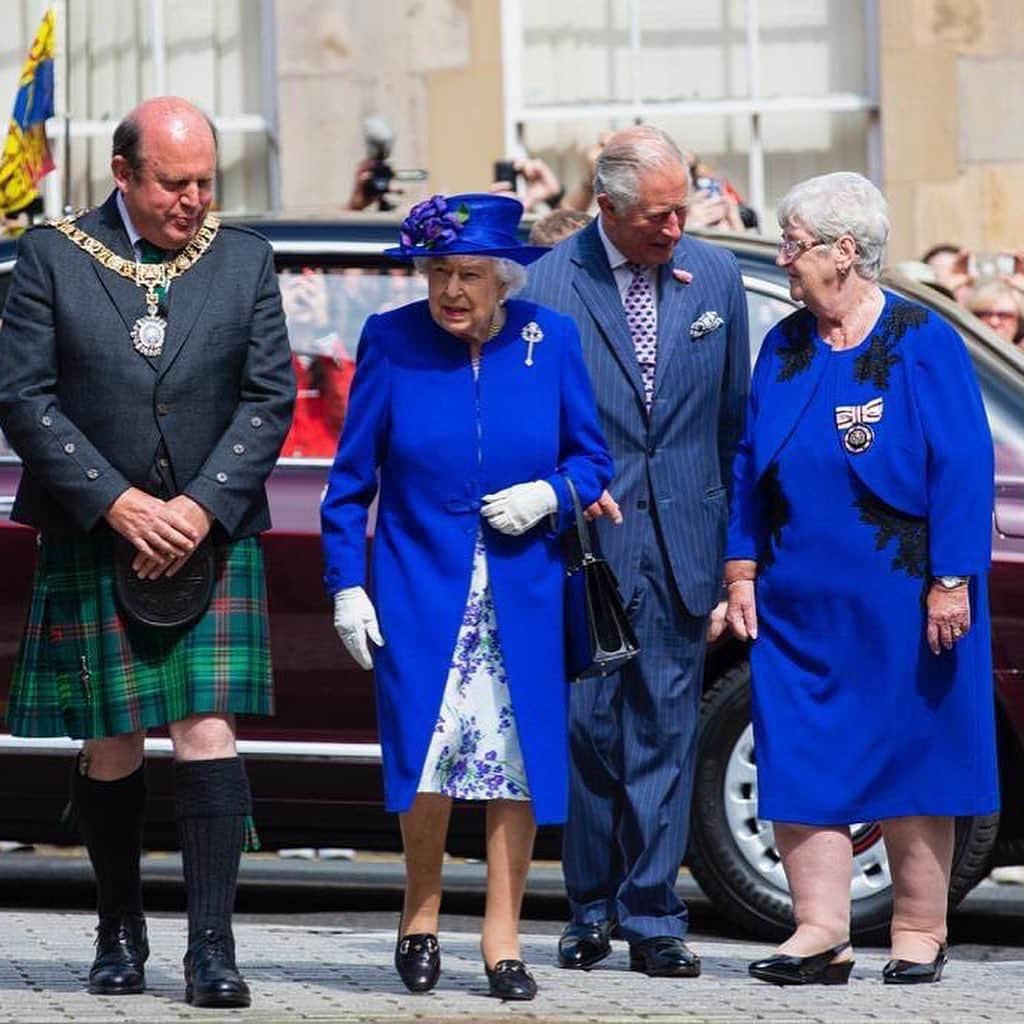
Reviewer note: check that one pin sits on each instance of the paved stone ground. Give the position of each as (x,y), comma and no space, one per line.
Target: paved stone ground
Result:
(333,974)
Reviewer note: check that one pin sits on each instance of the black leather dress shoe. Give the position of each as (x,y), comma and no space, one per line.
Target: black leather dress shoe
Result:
(211,977)
(664,956)
(908,972)
(584,945)
(122,949)
(509,979)
(817,969)
(418,961)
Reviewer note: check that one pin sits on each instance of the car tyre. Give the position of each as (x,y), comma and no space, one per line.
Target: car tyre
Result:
(755,898)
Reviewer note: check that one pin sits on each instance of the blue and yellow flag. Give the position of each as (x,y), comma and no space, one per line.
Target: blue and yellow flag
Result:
(26,156)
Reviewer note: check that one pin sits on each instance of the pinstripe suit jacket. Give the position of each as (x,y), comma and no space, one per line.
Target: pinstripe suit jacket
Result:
(675,463)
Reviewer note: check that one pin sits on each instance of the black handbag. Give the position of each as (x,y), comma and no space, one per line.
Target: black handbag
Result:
(599,638)
(168,602)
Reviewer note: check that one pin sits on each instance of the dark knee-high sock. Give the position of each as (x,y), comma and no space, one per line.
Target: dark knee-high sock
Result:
(212,801)
(110,817)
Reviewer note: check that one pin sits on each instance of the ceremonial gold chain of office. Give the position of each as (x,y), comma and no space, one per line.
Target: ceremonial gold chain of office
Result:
(148,331)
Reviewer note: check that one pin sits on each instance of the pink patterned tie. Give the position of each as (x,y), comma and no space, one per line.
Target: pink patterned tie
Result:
(643,326)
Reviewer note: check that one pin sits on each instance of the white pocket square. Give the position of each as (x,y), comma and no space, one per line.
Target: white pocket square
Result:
(705,324)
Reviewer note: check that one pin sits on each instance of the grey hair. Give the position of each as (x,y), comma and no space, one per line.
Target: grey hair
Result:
(627,156)
(843,203)
(510,273)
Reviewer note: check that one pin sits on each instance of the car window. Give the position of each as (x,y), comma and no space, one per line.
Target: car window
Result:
(325,308)
(766,306)
(1006,419)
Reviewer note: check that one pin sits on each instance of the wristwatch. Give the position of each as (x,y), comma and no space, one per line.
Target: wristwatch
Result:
(951,582)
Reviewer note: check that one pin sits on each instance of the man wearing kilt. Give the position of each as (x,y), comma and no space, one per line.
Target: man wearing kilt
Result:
(146,383)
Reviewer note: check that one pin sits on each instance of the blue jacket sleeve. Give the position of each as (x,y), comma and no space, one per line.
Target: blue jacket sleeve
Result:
(352,482)
(744,505)
(583,452)
(960,461)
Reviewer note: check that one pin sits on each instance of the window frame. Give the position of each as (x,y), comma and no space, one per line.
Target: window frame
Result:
(60,130)
(518,113)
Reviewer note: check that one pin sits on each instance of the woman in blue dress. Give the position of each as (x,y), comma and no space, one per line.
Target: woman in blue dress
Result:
(860,540)
(467,413)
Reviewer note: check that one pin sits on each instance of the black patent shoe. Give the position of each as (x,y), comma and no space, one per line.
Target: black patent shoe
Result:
(418,961)
(584,945)
(664,956)
(122,949)
(908,972)
(211,977)
(509,979)
(818,969)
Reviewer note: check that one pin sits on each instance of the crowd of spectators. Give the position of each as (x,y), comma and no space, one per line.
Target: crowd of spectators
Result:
(989,285)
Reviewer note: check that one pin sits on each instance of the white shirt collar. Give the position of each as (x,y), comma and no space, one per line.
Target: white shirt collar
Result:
(615,257)
(133,235)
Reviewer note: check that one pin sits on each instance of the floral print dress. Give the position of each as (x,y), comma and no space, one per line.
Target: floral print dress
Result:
(474,753)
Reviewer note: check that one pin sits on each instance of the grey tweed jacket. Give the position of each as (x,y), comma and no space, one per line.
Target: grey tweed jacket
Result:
(87,413)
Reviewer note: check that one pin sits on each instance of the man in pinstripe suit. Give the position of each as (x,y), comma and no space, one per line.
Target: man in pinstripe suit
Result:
(664,328)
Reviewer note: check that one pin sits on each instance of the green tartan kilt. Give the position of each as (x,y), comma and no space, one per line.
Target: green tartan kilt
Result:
(83,672)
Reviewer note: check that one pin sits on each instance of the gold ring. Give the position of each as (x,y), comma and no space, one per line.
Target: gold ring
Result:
(957,631)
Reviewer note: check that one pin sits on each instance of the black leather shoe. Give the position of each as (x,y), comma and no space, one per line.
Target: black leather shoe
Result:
(418,961)
(584,945)
(122,949)
(664,956)
(907,972)
(211,977)
(818,969)
(509,979)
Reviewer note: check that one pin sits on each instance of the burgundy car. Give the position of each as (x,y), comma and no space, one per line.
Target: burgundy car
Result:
(314,766)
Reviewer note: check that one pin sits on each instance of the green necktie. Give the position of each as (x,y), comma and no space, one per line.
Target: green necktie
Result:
(153,254)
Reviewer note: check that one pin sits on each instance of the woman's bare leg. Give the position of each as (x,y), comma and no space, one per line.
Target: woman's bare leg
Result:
(510,833)
(818,862)
(424,831)
(920,858)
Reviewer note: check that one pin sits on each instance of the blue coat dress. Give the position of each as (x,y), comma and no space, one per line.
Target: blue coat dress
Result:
(863,473)
(431,439)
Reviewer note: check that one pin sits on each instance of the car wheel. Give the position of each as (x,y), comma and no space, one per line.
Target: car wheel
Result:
(732,852)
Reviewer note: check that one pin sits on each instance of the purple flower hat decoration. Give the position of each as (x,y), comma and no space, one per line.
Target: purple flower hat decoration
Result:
(471,224)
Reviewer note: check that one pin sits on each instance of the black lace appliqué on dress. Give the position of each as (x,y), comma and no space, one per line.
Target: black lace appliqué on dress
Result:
(799,350)
(909,532)
(881,356)
(776,510)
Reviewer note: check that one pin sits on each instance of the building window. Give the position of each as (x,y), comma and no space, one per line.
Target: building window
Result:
(766,92)
(112,54)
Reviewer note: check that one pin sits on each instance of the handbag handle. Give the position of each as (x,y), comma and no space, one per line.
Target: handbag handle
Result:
(582,532)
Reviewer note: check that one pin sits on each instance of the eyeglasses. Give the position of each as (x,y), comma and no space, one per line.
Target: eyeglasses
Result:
(790,248)
(996,314)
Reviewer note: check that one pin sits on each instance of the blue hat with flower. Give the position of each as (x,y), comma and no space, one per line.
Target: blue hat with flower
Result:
(473,224)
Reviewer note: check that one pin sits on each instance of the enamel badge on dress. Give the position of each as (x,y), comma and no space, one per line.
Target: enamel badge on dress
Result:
(855,423)
(531,334)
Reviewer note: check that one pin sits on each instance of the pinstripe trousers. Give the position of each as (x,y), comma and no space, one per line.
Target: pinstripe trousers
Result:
(633,738)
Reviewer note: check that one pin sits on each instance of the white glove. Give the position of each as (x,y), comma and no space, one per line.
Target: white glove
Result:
(515,509)
(355,620)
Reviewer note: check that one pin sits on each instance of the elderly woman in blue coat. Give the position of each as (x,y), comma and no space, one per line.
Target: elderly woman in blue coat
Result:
(467,414)
(859,545)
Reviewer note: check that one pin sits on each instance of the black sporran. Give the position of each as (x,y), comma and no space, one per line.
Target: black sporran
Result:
(168,602)
(599,638)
